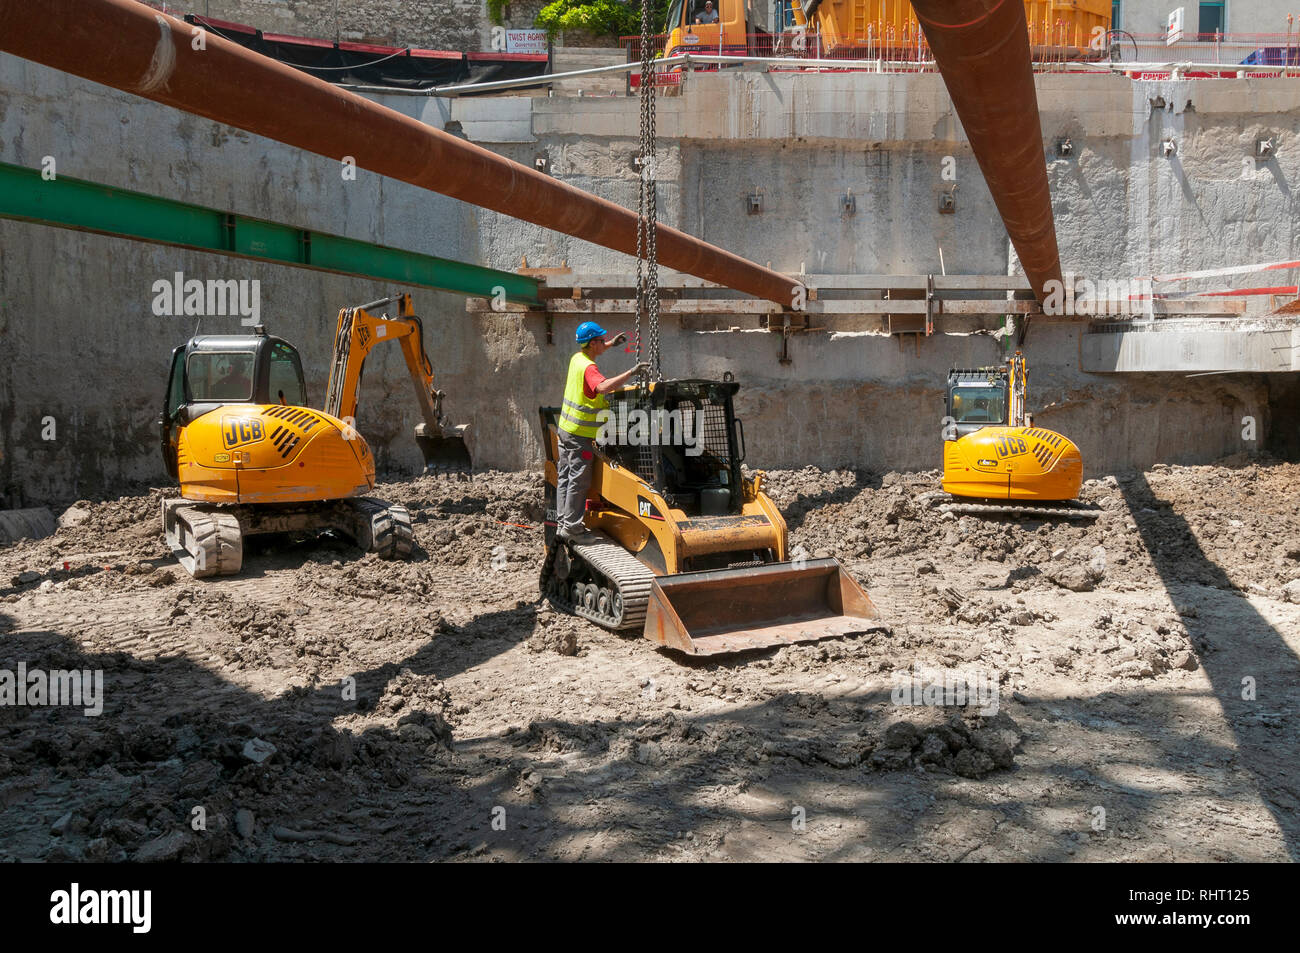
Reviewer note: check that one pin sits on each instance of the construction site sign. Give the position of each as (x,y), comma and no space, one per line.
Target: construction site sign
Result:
(1175,32)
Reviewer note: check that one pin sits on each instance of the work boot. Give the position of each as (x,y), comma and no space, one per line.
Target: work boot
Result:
(579,537)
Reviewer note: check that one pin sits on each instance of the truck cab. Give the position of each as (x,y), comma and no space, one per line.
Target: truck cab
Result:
(707,26)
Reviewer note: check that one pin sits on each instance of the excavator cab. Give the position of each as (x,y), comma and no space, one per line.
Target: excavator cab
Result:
(976,398)
(212,371)
(993,452)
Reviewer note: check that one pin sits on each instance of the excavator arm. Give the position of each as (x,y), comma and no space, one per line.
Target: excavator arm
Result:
(1017,415)
(357,334)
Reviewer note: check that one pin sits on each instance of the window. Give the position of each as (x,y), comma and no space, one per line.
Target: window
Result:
(220,375)
(674,18)
(1116,15)
(1214,20)
(704,12)
(979,405)
(176,387)
(286,384)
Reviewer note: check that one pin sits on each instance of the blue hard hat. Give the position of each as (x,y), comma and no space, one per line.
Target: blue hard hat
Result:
(589,331)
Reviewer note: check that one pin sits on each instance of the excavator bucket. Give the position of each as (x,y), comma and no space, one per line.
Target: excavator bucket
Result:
(736,610)
(445,453)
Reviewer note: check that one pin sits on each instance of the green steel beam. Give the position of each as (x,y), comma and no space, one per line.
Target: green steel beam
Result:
(86,206)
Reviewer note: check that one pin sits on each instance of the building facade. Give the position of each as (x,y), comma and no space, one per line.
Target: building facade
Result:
(1203,18)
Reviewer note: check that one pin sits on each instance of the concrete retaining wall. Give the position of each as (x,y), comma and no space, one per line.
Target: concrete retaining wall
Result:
(429,24)
(83,348)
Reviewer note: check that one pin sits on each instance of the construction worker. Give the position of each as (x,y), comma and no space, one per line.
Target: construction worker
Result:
(584,398)
(708,14)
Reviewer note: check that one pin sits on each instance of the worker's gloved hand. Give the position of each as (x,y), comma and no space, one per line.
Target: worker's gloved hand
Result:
(617,339)
(641,368)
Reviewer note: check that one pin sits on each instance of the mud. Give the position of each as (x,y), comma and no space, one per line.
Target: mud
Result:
(327,705)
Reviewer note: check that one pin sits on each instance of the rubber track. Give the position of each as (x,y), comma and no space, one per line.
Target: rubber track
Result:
(620,572)
(392,535)
(1012,509)
(218,545)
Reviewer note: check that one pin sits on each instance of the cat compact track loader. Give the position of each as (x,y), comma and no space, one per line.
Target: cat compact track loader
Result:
(252,458)
(692,553)
(995,461)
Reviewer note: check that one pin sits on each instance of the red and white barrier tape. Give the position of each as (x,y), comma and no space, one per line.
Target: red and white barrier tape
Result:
(1224,272)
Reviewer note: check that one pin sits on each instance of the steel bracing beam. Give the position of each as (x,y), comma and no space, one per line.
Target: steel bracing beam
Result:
(86,206)
(132,47)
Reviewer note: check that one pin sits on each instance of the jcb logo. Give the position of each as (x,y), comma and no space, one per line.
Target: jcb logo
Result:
(237,431)
(1011,447)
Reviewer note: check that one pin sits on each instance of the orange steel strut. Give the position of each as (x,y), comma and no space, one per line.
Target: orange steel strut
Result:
(132,47)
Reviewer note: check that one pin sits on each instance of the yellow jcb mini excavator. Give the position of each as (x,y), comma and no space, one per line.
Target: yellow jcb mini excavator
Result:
(252,458)
(993,453)
(693,554)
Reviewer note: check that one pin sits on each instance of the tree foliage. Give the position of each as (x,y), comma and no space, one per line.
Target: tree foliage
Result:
(605,17)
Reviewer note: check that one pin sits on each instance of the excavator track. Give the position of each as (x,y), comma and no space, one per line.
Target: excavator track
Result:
(207,540)
(382,528)
(602,583)
(1075,511)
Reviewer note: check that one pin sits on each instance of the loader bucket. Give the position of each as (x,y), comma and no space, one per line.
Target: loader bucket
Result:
(736,610)
(445,453)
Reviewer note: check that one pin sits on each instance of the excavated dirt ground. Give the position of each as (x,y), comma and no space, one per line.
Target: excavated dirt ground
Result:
(1147,667)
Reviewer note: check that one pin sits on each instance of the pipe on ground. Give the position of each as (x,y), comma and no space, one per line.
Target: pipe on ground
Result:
(131,47)
(982,49)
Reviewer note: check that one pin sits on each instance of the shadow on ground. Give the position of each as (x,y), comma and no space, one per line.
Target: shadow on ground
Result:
(733,783)
(1237,649)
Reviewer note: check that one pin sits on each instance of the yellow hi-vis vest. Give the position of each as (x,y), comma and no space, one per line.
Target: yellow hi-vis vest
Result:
(580,413)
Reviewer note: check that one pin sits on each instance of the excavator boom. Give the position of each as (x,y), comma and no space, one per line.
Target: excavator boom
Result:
(358,332)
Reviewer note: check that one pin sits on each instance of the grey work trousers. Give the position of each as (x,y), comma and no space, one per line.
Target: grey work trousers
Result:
(577,459)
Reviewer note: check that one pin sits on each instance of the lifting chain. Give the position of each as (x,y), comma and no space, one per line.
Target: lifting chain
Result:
(647,252)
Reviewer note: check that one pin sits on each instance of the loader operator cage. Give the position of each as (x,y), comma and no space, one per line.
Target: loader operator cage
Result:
(683,438)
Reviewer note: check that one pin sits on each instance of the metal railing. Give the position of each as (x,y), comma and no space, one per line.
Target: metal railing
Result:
(1059,47)
(1231,49)
(905,46)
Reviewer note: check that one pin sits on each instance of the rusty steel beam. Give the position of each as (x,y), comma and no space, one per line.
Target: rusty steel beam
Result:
(982,49)
(129,46)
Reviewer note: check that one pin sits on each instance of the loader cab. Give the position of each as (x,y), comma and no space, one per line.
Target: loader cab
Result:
(681,437)
(976,398)
(212,371)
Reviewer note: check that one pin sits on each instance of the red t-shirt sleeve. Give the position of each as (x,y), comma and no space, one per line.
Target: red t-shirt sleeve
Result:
(591,379)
